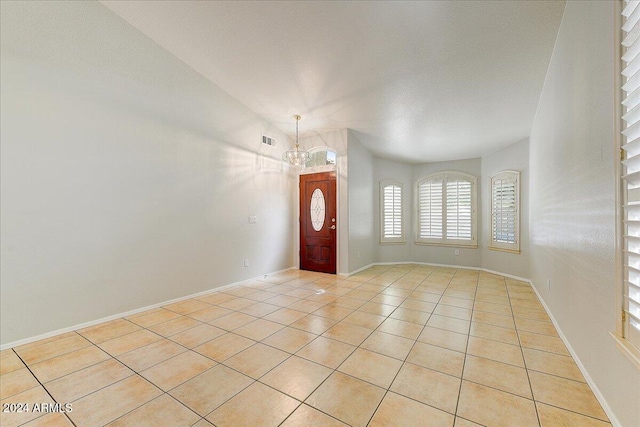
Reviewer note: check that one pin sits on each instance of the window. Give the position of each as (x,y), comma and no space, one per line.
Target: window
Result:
(391,230)
(321,156)
(630,328)
(505,216)
(447,209)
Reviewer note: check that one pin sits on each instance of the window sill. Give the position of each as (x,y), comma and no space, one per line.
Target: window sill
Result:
(627,349)
(448,245)
(511,251)
(394,242)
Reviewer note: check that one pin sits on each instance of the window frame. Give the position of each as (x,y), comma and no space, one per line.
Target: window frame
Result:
(448,176)
(391,240)
(493,243)
(631,351)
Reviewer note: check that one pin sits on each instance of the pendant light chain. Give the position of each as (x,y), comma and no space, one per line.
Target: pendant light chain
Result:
(297,122)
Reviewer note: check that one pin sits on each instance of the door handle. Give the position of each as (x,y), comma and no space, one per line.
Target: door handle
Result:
(333,227)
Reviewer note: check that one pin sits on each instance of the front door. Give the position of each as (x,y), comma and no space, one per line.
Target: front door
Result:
(318,222)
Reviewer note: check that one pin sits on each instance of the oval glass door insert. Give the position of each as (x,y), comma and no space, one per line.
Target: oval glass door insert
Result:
(317,209)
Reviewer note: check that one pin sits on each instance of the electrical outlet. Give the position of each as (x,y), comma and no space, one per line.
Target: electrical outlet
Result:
(358,254)
(246,263)
(253,219)
(549,284)
(456,251)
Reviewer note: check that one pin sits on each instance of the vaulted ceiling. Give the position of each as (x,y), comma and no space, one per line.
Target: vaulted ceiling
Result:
(415,81)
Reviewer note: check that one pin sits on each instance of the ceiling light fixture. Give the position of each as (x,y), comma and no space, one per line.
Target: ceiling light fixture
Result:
(296,157)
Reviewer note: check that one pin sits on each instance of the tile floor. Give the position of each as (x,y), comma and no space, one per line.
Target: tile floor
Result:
(403,345)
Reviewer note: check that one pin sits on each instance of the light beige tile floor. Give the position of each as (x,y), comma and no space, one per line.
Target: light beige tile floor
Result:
(395,345)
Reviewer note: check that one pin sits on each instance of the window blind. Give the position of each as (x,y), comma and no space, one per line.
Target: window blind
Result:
(430,209)
(458,210)
(631,170)
(392,212)
(504,210)
(446,209)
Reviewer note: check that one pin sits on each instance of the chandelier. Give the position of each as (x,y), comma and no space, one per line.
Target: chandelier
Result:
(296,157)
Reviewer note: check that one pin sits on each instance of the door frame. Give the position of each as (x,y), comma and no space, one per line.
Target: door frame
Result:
(339,219)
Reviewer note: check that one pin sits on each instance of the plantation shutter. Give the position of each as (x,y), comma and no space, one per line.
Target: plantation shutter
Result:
(459,209)
(631,170)
(447,209)
(392,212)
(430,209)
(504,210)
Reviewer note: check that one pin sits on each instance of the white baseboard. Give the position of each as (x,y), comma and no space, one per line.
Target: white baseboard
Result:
(412,262)
(357,271)
(131,312)
(463,267)
(596,391)
(510,276)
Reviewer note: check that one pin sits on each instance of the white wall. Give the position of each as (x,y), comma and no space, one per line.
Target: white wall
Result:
(362,187)
(572,201)
(445,255)
(127,178)
(513,157)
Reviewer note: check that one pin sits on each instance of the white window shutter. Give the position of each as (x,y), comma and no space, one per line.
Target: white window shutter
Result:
(446,209)
(505,217)
(430,209)
(391,230)
(631,170)
(459,210)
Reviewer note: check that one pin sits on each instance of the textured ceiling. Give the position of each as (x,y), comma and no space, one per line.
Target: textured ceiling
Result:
(415,81)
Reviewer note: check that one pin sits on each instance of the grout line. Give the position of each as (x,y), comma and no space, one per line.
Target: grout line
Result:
(356,348)
(524,360)
(466,348)
(57,355)
(164,393)
(404,361)
(43,387)
(350,354)
(313,409)
(573,412)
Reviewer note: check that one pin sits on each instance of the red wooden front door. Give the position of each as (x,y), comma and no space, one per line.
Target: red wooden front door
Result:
(318,226)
